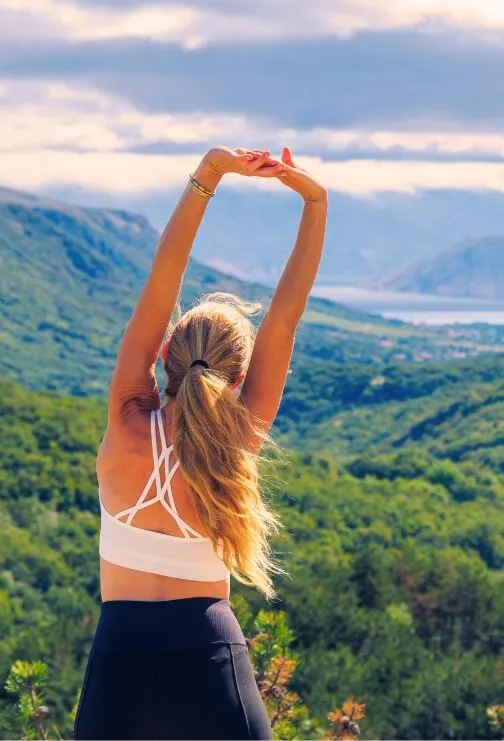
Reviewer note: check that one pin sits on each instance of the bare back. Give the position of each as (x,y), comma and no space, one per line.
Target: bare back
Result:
(124,465)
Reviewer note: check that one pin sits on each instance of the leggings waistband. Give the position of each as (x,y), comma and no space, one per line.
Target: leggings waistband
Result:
(168,625)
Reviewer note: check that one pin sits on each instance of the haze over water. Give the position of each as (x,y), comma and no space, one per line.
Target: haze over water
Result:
(416,308)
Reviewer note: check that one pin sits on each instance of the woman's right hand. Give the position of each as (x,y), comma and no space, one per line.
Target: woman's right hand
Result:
(258,163)
(301,181)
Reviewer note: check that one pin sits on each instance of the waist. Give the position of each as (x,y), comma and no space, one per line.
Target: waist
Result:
(179,624)
(118,584)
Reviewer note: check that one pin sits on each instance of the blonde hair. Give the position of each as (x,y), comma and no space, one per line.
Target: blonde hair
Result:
(213,430)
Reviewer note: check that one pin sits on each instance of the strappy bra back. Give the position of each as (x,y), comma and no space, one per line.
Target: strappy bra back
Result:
(189,556)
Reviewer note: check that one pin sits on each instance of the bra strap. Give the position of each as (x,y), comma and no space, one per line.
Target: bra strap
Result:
(155,477)
(140,503)
(167,487)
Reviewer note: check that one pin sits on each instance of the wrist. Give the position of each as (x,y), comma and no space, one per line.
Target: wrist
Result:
(207,175)
(318,199)
(314,193)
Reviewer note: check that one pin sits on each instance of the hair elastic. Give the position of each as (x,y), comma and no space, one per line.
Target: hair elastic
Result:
(200,362)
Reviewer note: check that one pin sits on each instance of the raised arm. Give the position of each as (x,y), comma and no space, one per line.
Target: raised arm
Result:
(133,382)
(267,372)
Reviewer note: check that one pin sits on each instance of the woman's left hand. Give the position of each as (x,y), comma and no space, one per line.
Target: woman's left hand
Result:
(243,162)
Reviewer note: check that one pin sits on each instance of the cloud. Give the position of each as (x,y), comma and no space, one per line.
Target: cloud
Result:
(59,18)
(435,144)
(196,24)
(102,96)
(58,116)
(400,80)
(136,174)
(55,115)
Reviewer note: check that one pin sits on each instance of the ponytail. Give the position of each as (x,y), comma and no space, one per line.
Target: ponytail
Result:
(212,433)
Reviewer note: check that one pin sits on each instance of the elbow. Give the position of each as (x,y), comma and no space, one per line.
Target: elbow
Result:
(296,311)
(282,323)
(293,317)
(287,315)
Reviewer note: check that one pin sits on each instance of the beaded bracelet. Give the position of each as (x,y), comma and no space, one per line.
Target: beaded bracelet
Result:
(199,188)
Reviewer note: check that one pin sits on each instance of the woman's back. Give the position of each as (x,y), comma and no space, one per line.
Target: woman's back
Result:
(181,507)
(129,462)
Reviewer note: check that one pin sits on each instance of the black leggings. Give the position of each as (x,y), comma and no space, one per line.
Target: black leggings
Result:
(170,670)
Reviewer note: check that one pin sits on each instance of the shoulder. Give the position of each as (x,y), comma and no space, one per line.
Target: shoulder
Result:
(126,434)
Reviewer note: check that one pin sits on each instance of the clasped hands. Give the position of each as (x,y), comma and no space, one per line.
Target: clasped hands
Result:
(258,163)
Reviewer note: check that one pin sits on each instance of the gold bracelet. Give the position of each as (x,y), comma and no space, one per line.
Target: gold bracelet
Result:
(200,188)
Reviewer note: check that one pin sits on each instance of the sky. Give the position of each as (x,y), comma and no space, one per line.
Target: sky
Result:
(374,96)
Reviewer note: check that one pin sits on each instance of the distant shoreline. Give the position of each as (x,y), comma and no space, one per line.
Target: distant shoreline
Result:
(414,307)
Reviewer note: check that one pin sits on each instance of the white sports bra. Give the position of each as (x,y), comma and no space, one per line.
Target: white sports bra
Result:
(121,543)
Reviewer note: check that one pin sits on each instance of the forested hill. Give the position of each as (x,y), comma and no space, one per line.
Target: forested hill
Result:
(397,592)
(455,409)
(69,277)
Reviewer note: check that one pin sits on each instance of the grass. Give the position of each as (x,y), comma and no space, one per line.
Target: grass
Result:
(385,330)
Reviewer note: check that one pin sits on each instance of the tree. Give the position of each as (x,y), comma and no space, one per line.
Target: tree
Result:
(275,664)
(26,682)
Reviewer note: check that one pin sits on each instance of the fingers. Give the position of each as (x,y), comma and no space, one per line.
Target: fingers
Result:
(244,154)
(287,157)
(259,156)
(252,152)
(262,153)
(271,170)
(259,161)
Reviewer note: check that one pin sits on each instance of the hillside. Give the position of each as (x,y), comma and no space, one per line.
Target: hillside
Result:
(473,268)
(69,277)
(380,408)
(396,595)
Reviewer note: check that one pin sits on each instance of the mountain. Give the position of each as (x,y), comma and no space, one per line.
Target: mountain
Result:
(473,268)
(250,232)
(69,277)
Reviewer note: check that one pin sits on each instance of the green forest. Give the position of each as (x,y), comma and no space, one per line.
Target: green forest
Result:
(390,485)
(395,594)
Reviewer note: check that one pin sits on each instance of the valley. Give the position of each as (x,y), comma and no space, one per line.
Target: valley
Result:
(390,482)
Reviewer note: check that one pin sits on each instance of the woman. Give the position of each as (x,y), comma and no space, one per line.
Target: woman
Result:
(180,504)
